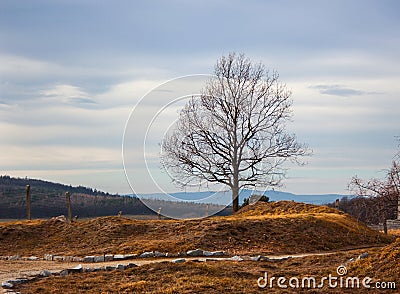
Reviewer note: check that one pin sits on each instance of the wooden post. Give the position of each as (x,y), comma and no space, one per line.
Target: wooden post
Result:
(28,202)
(68,196)
(159,213)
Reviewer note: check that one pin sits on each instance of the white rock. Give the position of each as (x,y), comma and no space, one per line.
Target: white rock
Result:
(48,257)
(196,252)
(218,253)
(119,256)
(88,259)
(147,254)
(256,258)
(235,258)
(99,258)
(179,260)
(159,254)
(7,285)
(45,273)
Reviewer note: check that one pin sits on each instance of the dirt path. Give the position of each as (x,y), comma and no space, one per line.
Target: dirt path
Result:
(12,269)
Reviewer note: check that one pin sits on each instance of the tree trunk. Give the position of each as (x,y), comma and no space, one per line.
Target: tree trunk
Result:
(68,196)
(235,199)
(385,228)
(28,202)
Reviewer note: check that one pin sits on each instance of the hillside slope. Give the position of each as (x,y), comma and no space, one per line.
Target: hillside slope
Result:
(309,231)
(383,265)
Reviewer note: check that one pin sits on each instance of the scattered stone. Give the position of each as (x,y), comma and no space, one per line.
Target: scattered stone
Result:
(196,252)
(147,254)
(264,258)
(120,267)
(218,253)
(60,218)
(207,253)
(33,258)
(130,256)
(256,258)
(98,269)
(18,281)
(99,258)
(48,257)
(235,258)
(349,261)
(45,273)
(124,256)
(77,259)
(159,254)
(14,257)
(363,255)
(64,273)
(179,260)
(119,257)
(88,259)
(130,265)
(77,269)
(108,257)
(110,268)
(58,258)
(7,285)
(68,258)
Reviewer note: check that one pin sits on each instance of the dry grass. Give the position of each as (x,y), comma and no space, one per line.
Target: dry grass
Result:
(195,277)
(283,208)
(383,265)
(269,228)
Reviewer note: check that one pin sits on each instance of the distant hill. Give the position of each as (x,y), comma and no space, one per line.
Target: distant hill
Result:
(48,200)
(224,197)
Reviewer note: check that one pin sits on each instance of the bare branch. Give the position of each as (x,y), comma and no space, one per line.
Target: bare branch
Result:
(234,133)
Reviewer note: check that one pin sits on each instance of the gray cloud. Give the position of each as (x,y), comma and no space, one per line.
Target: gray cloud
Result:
(79,100)
(339,90)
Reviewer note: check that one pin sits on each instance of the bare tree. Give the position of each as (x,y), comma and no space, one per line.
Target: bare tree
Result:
(234,133)
(383,195)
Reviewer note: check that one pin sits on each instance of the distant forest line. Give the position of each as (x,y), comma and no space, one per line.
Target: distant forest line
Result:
(48,200)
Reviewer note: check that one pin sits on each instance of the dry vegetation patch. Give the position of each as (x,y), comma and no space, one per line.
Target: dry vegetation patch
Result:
(196,277)
(383,265)
(269,228)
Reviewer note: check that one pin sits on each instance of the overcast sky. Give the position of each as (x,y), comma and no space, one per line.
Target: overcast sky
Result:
(72,71)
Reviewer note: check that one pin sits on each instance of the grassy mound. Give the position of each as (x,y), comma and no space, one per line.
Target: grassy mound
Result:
(383,265)
(268,228)
(283,207)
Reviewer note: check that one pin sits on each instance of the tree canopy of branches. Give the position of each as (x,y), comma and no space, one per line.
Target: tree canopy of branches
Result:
(383,196)
(235,132)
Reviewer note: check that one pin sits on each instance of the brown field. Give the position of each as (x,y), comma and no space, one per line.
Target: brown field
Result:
(210,277)
(265,228)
